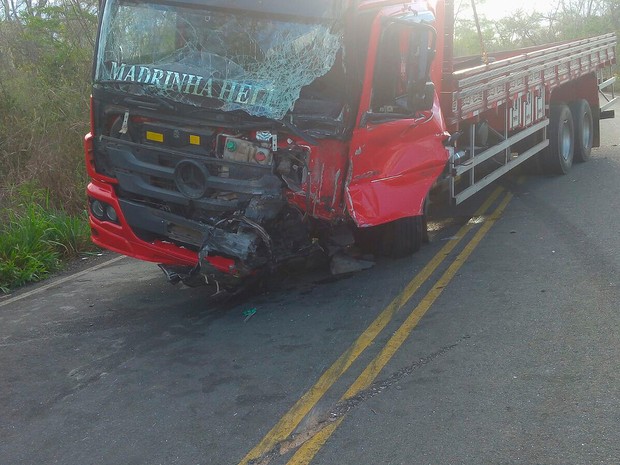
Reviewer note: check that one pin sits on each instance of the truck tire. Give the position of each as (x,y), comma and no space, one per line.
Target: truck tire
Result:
(584,129)
(558,158)
(402,237)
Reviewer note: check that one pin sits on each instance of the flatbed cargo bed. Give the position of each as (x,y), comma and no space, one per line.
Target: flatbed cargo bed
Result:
(481,88)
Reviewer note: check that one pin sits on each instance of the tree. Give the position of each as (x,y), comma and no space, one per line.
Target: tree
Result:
(566,20)
(46,54)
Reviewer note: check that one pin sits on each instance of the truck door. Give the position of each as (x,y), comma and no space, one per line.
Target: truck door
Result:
(396,148)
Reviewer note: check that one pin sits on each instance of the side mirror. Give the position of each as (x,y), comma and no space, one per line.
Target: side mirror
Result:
(421,98)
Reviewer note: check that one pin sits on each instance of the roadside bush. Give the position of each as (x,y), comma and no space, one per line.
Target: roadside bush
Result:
(35,239)
(45,63)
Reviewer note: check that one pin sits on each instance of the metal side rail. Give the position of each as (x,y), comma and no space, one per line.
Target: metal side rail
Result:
(486,87)
(465,168)
(610,96)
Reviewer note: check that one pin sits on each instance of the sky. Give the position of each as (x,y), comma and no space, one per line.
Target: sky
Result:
(495,9)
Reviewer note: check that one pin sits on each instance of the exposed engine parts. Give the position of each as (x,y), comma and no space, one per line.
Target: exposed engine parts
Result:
(214,192)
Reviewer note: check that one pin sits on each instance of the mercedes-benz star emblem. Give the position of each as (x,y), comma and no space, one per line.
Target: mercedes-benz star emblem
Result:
(190,178)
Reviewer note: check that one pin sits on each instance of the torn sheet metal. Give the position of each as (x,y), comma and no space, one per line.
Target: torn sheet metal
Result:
(390,178)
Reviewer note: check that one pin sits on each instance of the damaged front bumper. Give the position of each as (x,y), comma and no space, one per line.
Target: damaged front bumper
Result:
(209,203)
(193,252)
(119,237)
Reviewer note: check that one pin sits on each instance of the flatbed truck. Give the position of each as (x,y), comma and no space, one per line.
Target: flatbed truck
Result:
(231,137)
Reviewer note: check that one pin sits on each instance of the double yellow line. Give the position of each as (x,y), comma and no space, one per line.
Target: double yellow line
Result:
(287,424)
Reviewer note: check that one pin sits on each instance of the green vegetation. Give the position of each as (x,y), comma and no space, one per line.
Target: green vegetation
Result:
(45,62)
(565,20)
(35,239)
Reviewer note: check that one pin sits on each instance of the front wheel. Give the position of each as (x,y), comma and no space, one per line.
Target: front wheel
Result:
(401,237)
(558,159)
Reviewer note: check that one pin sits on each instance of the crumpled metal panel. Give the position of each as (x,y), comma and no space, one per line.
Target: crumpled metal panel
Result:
(393,167)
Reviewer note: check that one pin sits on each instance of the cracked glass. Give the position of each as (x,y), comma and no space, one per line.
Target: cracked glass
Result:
(215,59)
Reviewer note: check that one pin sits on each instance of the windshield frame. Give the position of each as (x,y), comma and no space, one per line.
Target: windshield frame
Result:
(236,94)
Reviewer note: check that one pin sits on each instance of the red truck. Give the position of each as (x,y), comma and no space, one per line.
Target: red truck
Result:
(230,137)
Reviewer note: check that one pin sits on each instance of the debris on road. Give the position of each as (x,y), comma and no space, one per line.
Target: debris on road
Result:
(342,263)
(249,314)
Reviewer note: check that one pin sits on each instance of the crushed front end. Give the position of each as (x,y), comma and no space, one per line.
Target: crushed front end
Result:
(201,160)
(215,194)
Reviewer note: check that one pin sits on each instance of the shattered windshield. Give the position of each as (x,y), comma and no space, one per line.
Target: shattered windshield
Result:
(214,59)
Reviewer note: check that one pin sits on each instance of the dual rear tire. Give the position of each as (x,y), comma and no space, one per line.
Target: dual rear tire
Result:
(584,129)
(571,131)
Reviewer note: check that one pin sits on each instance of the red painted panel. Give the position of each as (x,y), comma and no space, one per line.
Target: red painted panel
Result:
(393,167)
(322,193)
(121,239)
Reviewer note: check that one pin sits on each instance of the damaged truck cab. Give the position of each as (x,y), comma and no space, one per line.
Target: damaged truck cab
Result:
(229,137)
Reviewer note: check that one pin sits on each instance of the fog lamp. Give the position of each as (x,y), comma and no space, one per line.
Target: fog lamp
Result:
(98,210)
(111,213)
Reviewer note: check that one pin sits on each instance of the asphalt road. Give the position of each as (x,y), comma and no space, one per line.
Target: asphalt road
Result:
(498,343)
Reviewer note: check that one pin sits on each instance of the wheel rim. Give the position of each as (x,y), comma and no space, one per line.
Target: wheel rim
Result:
(586,132)
(565,141)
